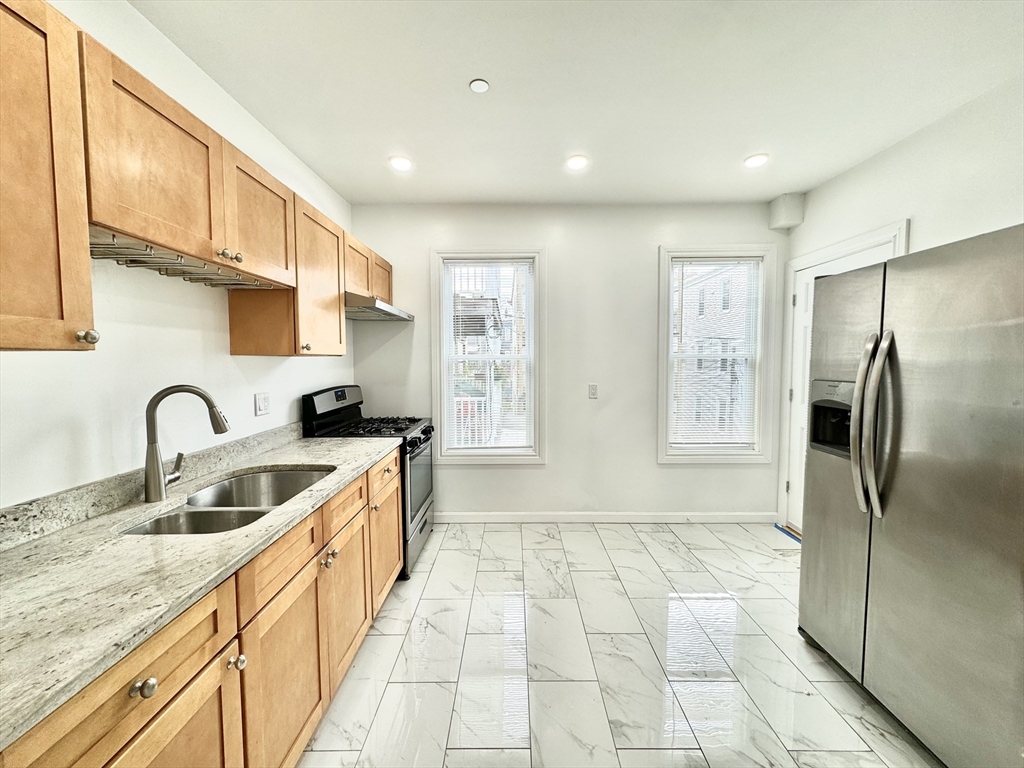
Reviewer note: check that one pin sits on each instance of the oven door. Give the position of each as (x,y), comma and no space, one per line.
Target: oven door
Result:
(419,470)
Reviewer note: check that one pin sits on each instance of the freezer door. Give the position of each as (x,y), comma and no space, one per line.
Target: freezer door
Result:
(945,627)
(834,555)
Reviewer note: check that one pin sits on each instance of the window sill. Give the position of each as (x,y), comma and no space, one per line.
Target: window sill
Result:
(711,457)
(487,459)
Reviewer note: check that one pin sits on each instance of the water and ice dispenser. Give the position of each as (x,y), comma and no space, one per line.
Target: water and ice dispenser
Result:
(831,403)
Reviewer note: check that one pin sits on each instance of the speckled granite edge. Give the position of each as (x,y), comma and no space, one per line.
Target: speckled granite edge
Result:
(29,520)
(72,606)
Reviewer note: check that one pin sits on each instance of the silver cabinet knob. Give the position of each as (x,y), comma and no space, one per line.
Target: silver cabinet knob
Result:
(334,553)
(326,563)
(89,337)
(307,347)
(375,507)
(387,470)
(225,253)
(238,662)
(238,257)
(144,688)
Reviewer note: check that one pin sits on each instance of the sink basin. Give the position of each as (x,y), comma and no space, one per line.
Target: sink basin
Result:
(199,520)
(259,489)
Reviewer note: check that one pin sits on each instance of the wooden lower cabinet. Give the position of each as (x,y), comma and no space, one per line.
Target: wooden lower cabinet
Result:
(385,540)
(349,602)
(200,728)
(285,682)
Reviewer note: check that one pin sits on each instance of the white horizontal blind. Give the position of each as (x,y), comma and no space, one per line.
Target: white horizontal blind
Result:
(488,321)
(714,355)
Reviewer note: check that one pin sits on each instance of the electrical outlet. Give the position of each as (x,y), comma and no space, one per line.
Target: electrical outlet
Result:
(592,391)
(262,403)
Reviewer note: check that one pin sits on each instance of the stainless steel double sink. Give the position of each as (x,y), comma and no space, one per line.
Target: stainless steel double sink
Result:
(233,503)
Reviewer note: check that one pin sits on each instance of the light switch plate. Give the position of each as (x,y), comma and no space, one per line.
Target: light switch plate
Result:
(262,400)
(592,391)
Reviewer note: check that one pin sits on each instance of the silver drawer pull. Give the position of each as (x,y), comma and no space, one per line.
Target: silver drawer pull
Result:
(387,470)
(238,662)
(144,688)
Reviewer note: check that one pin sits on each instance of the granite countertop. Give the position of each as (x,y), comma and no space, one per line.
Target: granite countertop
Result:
(75,602)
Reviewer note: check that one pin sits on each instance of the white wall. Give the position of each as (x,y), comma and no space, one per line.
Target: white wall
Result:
(961,176)
(602,272)
(68,418)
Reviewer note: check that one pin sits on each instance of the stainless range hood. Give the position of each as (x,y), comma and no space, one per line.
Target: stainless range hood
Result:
(359,307)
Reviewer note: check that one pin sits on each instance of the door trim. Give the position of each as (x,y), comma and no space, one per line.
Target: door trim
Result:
(897,234)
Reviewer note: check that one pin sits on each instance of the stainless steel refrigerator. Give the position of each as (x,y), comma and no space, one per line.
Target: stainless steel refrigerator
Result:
(912,573)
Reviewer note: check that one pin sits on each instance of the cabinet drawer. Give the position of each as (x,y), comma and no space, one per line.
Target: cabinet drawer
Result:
(383,472)
(264,576)
(94,724)
(343,507)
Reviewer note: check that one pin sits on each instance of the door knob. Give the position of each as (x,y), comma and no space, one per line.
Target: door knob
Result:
(89,337)
(144,688)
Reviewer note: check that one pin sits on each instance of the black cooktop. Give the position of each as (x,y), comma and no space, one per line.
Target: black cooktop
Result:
(378,426)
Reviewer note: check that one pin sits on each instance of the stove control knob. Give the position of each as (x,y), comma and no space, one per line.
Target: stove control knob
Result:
(428,430)
(414,443)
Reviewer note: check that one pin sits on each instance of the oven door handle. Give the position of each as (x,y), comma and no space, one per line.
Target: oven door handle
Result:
(420,448)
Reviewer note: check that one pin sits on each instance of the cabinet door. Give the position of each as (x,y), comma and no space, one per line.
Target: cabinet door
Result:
(382,279)
(259,219)
(201,727)
(45,278)
(320,282)
(358,266)
(155,170)
(385,541)
(285,683)
(349,603)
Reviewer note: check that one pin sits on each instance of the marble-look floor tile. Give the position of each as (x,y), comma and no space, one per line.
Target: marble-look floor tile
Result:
(799,715)
(411,726)
(768,534)
(696,536)
(735,575)
(722,618)
(640,575)
(502,527)
(568,726)
(603,602)
(893,743)
(697,585)
(350,714)
(498,604)
(584,551)
(730,729)
(541,536)
(501,551)
(662,758)
(752,551)
(779,619)
(575,526)
(556,643)
(487,758)
(651,527)
(786,584)
(837,760)
(395,615)
(452,576)
(492,701)
(432,650)
(429,552)
(546,574)
(463,536)
(669,552)
(619,536)
(685,652)
(642,710)
(328,759)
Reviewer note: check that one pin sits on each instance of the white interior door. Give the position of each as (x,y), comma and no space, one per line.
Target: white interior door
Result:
(803,289)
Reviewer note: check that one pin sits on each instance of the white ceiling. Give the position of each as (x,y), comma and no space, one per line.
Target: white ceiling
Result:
(666,98)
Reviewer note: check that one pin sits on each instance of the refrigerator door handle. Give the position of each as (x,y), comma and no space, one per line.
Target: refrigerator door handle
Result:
(870,420)
(870,343)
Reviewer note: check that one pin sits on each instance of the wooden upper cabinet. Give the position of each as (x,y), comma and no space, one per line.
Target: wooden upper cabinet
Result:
(202,726)
(381,279)
(320,282)
(45,277)
(155,170)
(259,219)
(358,267)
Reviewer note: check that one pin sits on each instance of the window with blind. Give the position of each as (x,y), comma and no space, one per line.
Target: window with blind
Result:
(711,348)
(488,358)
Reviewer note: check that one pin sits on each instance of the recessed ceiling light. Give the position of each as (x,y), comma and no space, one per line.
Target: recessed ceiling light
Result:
(401,163)
(577,162)
(478,86)
(755,161)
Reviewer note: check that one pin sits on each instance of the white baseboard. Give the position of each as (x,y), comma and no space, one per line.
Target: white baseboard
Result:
(604,517)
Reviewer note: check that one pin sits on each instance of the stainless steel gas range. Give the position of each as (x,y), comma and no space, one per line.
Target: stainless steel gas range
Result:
(337,412)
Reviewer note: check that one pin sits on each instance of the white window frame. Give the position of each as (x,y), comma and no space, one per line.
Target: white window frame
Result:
(438,258)
(761,452)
